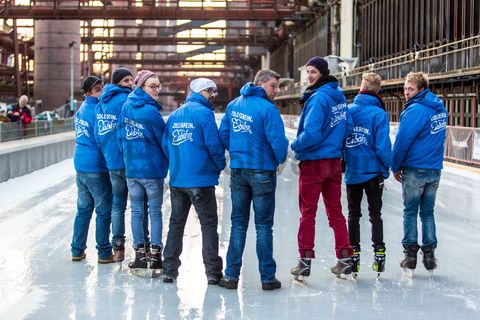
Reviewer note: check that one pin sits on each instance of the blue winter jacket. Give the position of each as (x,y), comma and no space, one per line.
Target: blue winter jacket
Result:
(191,142)
(88,157)
(368,150)
(324,124)
(253,131)
(421,136)
(108,110)
(141,129)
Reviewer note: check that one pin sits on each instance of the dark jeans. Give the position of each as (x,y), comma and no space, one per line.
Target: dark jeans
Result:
(374,190)
(259,186)
(205,203)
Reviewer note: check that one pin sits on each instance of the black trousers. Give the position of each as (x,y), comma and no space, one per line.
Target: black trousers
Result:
(205,203)
(374,191)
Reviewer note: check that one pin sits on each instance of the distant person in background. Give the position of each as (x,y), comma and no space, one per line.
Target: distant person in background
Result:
(94,190)
(146,166)
(417,164)
(108,111)
(368,155)
(20,111)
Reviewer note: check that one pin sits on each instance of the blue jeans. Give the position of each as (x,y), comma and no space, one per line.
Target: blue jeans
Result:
(153,189)
(259,186)
(119,205)
(94,191)
(205,203)
(419,192)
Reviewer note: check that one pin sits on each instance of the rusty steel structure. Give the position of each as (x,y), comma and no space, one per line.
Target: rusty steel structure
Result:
(148,9)
(251,28)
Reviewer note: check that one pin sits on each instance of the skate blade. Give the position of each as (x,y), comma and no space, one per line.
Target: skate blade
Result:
(347,277)
(300,279)
(156,273)
(145,273)
(407,273)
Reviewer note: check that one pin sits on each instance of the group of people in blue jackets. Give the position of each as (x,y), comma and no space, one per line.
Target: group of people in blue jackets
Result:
(125,149)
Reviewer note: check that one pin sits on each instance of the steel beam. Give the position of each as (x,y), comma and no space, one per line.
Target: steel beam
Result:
(164,10)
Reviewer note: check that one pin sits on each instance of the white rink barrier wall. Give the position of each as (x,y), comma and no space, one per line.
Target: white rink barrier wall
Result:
(24,156)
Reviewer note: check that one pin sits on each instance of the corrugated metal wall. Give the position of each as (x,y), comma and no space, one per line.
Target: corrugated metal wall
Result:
(311,42)
(392,27)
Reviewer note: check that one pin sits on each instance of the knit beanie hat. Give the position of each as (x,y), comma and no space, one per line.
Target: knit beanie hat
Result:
(89,83)
(142,76)
(200,84)
(319,63)
(120,73)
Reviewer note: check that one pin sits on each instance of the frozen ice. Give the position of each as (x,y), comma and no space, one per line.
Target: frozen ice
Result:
(38,280)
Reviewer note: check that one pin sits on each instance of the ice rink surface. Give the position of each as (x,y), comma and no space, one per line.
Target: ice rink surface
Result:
(38,280)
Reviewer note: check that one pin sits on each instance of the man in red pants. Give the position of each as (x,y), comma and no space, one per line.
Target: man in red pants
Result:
(324,124)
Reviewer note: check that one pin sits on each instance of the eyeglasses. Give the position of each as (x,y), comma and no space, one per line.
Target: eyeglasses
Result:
(212,91)
(155,88)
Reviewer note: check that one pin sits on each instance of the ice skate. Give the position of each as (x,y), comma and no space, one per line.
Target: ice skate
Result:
(429,260)
(302,271)
(343,268)
(355,264)
(379,261)
(139,266)
(156,261)
(409,263)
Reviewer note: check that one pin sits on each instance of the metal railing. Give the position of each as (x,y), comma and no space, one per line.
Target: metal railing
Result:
(450,59)
(462,145)
(17,130)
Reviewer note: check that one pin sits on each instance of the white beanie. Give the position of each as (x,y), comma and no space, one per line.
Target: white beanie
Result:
(201,84)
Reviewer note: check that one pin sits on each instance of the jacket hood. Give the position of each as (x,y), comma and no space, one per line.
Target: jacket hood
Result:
(111,90)
(428,99)
(197,97)
(91,100)
(249,89)
(333,90)
(363,99)
(139,98)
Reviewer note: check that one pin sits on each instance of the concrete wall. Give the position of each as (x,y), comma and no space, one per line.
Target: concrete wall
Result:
(37,154)
(52,61)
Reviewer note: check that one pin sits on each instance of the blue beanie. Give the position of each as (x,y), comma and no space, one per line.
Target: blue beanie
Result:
(319,63)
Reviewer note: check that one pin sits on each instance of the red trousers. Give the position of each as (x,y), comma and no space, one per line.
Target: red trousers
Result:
(325,177)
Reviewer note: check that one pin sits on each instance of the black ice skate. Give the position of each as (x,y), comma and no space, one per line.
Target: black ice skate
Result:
(156,261)
(302,271)
(429,260)
(355,263)
(344,265)
(379,261)
(139,266)
(409,263)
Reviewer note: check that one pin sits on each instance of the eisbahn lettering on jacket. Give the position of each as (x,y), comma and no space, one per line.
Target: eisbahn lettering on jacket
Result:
(253,131)
(88,157)
(108,111)
(192,144)
(324,125)
(368,148)
(421,136)
(140,136)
